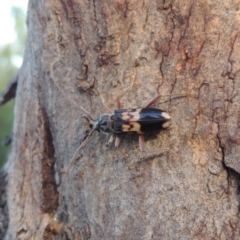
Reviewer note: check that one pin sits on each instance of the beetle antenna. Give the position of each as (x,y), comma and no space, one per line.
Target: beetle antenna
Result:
(68,98)
(149,104)
(72,160)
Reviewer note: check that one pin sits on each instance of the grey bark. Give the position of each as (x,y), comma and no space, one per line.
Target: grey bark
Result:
(3,205)
(102,47)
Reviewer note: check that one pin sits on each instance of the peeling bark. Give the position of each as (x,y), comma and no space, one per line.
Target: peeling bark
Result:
(102,47)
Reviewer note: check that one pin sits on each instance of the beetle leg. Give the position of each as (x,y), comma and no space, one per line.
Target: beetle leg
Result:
(118,103)
(141,142)
(117,141)
(110,141)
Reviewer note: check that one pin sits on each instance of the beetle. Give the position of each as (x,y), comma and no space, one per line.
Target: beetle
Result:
(133,120)
(123,121)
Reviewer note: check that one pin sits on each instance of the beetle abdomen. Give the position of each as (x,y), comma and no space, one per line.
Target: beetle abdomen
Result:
(140,120)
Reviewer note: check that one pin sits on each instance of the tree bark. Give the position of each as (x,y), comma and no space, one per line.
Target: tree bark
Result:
(89,52)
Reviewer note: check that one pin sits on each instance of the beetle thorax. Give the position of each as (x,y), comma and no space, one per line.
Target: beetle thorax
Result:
(104,123)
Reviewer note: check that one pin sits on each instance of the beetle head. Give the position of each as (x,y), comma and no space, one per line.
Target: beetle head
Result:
(103,123)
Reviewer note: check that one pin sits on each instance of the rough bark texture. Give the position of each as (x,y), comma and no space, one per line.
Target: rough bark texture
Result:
(3,204)
(189,192)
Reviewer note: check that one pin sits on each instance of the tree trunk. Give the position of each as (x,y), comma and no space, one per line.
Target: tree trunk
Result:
(185,184)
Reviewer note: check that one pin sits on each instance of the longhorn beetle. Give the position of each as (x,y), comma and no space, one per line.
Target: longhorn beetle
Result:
(123,121)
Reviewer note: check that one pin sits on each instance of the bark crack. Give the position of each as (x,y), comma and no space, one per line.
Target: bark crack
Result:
(49,194)
(186,27)
(95,18)
(49,187)
(229,72)
(222,150)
